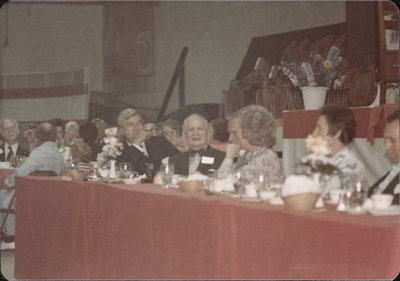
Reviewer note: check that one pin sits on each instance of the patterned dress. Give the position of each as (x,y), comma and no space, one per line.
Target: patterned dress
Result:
(262,161)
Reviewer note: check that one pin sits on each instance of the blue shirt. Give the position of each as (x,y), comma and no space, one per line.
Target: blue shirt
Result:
(45,157)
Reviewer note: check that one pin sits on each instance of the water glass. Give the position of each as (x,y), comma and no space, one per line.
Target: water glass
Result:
(237,182)
(125,170)
(167,170)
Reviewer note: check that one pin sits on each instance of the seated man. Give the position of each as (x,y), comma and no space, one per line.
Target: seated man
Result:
(145,155)
(389,183)
(45,157)
(336,125)
(10,148)
(218,134)
(152,129)
(201,157)
(253,130)
(59,124)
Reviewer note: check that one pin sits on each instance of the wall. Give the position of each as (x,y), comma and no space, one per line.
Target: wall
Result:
(59,37)
(218,35)
(51,38)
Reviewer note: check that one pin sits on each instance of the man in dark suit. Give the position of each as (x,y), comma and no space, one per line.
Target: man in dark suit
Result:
(10,148)
(145,155)
(389,183)
(201,157)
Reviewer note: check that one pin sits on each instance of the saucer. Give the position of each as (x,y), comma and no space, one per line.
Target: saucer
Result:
(391,211)
(356,212)
(131,181)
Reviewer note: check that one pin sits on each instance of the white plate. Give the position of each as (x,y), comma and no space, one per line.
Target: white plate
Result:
(251,199)
(131,181)
(391,211)
(276,201)
(356,212)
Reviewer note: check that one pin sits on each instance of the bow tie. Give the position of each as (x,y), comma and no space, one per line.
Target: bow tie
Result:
(193,152)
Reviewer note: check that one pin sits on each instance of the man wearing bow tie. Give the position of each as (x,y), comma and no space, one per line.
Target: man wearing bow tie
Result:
(145,155)
(201,157)
(10,148)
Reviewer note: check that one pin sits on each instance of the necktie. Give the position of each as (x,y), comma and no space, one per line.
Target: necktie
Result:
(10,154)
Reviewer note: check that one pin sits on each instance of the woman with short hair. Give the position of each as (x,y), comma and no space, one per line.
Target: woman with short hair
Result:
(255,132)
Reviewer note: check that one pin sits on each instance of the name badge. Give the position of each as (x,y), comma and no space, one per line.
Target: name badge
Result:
(207,160)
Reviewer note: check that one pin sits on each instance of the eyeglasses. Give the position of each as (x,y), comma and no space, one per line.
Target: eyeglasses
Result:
(152,131)
(171,133)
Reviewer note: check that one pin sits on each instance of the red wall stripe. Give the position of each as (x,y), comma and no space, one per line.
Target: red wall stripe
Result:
(50,92)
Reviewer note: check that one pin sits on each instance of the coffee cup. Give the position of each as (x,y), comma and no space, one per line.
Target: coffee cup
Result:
(335,195)
(382,201)
(251,190)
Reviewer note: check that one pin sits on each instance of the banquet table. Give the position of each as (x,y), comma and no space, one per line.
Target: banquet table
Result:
(367,144)
(94,230)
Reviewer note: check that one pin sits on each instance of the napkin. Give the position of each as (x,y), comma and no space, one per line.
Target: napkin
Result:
(219,185)
(296,184)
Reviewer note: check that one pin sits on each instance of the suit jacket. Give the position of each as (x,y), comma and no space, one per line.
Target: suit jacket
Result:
(181,161)
(389,189)
(20,151)
(157,148)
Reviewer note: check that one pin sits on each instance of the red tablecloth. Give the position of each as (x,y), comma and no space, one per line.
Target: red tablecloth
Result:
(75,230)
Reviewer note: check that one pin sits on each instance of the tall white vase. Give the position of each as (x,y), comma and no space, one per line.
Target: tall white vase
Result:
(314,97)
(113,173)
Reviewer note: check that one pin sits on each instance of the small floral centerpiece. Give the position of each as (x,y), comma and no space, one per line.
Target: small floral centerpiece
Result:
(318,161)
(301,192)
(112,145)
(317,72)
(111,150)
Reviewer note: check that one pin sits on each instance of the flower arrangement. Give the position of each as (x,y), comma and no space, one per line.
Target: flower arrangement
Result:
(318,161)
(316,72)
(112,145)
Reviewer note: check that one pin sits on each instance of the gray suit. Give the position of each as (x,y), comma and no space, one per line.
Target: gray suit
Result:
(45,157)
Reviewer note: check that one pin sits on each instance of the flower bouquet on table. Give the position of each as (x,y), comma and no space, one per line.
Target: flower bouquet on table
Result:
(301,192)
(111,150)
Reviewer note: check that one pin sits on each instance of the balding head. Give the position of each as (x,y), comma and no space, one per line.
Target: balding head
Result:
(45,132)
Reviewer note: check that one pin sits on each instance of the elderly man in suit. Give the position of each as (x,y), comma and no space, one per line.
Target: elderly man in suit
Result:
(389,183)
(201,157)
(11,148)
(144,154)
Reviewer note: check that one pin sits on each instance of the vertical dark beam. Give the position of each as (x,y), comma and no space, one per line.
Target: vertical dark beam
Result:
(172,83)
(181,84)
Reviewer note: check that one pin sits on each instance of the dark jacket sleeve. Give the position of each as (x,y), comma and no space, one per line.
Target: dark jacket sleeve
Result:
(134,156)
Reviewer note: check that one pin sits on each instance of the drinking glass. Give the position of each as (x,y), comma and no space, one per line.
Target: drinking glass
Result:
(95,166)
(125,170)
(18,160)
(167,170)
(237,182)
